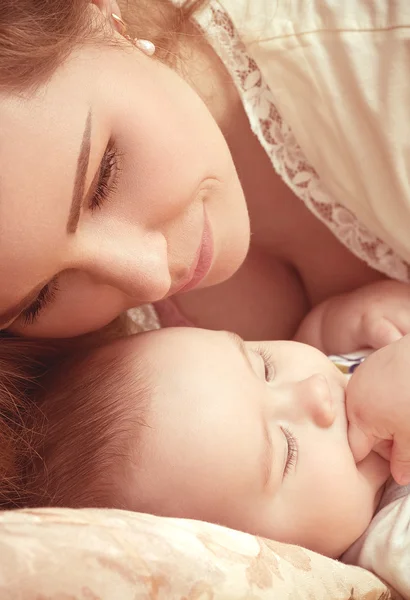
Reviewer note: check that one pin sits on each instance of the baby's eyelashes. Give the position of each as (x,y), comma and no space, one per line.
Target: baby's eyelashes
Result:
(266,356)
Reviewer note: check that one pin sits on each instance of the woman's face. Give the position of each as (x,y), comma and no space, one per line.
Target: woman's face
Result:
(116,188)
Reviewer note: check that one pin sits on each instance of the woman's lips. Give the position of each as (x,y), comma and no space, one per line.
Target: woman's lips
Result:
(202,261)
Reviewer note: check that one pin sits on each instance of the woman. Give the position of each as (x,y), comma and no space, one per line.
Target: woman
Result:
(123,181)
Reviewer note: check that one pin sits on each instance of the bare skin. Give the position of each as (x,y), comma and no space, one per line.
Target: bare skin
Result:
(284,274)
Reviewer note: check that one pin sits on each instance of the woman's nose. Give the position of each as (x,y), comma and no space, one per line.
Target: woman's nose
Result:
(315,400)
(136,264)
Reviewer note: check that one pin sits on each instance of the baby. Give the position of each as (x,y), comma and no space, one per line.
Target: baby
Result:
(199,424)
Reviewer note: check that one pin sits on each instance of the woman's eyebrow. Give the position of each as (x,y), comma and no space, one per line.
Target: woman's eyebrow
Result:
(77,201)
(80,177)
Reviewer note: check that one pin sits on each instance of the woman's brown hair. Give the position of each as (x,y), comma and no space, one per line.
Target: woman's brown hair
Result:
(36,36)
(22,363)
(25,364)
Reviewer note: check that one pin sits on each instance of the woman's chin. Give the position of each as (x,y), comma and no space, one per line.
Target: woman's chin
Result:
(227,262)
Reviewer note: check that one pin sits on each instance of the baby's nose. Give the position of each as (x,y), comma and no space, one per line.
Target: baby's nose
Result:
(315,395)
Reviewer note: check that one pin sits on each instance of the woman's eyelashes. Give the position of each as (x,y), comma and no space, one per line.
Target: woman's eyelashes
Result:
(107,177)
(44,299)
(267,363)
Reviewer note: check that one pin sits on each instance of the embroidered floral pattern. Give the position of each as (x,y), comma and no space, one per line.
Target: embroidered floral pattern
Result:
(284,152)
(63,554)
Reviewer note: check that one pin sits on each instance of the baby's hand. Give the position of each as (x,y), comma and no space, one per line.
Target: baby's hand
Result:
(371,317)
(378,408)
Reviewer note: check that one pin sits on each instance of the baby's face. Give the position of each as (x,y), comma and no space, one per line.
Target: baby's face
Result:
(252,436)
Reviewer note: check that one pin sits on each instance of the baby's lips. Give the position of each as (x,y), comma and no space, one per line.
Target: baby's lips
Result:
(360,443)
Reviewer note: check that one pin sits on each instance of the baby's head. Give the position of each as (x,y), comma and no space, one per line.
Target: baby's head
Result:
(198,424)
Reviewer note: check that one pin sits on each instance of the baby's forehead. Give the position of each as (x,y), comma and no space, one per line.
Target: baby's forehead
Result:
(144,354)
(182,344)
(165,340)
(177,356)
(145,343)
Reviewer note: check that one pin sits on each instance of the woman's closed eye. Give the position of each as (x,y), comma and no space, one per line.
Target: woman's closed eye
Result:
(45,298)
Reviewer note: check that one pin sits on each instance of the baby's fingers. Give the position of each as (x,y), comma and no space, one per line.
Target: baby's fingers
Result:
(384,449)
(400,460)
(379,331)
(360,442)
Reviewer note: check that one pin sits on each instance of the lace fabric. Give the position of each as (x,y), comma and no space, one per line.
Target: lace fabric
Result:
(286,156)
(142,318)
